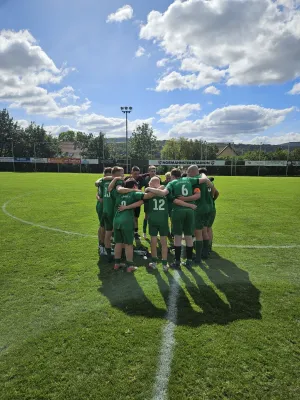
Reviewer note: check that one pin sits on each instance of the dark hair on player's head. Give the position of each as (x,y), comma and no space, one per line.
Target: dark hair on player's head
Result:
(211,178)
(107,170)
(202,170)
(116,169)
(184,175)
(176,173)
(135,169)
(130,183)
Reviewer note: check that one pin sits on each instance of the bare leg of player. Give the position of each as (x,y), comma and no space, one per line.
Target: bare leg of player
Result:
(164,252)
(198,245)
(129,258)
(153,252)
(101,236)
(177,246)
(205,243)
(145,222)
(210,237)
(118,255)
(189,251)
(107,243)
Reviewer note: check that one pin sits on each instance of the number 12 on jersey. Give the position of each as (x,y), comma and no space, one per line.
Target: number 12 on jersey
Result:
(159,205)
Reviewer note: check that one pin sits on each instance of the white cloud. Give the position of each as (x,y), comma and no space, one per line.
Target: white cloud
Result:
(212,90)
(231,121)
(55,130)
(23,123)
(295,89)
(175,80)
(161,63)
(23,67)
(65,94)
(140,52)
(289,3)
(251,41)
(108,125)
(276,139)
(122,14)
(177,112)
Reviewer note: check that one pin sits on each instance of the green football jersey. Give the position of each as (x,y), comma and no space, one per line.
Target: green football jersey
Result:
(125,219)
(181,187)
(109,198)
(158,209)
(114,193)
(211,202)
(108,201)
(100,188)
(203,202)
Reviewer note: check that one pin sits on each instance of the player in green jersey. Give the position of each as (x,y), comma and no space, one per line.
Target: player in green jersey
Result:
(140,179)
(158,215)
(215,194)
(99,210)
(109,208)
(182,217)
(152,173)
(124,223)
(207,216)
(201,213)
(170,202)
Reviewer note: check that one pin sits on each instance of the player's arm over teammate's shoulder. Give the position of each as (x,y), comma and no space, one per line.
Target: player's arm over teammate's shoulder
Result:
(157,192)
(116,183)
(182,203)
(215,193)
(124,190)
(131,206)
(194,197)
(98,181)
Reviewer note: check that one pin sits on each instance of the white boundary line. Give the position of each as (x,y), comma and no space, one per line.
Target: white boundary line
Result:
(160,390)
(234,246)
(38,225)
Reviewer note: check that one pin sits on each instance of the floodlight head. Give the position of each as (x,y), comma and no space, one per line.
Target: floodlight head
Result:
(122,108)
(130,108)
(126,108)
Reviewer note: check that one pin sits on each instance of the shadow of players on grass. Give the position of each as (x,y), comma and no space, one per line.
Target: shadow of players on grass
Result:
(229,297)
(124,292)
(221,291)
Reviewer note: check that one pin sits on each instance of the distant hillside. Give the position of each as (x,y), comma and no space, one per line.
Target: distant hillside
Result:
(239,147)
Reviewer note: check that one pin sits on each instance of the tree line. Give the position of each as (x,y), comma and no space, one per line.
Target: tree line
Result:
(142,145)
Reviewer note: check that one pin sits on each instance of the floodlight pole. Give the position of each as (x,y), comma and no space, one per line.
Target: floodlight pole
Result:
(12,152)
(287,160)
(126,110)
(259,159)
(34,152)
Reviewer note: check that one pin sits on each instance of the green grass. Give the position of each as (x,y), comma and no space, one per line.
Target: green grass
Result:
(73,329)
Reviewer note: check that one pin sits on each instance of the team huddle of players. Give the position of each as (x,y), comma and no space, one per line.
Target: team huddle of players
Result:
(188,200)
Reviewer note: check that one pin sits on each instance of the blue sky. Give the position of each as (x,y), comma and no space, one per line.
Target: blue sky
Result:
(245,51)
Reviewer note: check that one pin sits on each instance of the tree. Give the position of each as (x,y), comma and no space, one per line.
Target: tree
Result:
(9,131)
(97,147)
(295,154)
(24,141)
(143,143)
(68,136)
(171,150)
(187,149)
(38,142)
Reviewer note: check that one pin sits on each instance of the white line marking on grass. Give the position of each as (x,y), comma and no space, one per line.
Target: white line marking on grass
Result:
(234,246)
(246,246)
(41,226)
(160,390)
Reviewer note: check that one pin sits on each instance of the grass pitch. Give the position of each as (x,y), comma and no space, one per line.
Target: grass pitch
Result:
(71,328)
